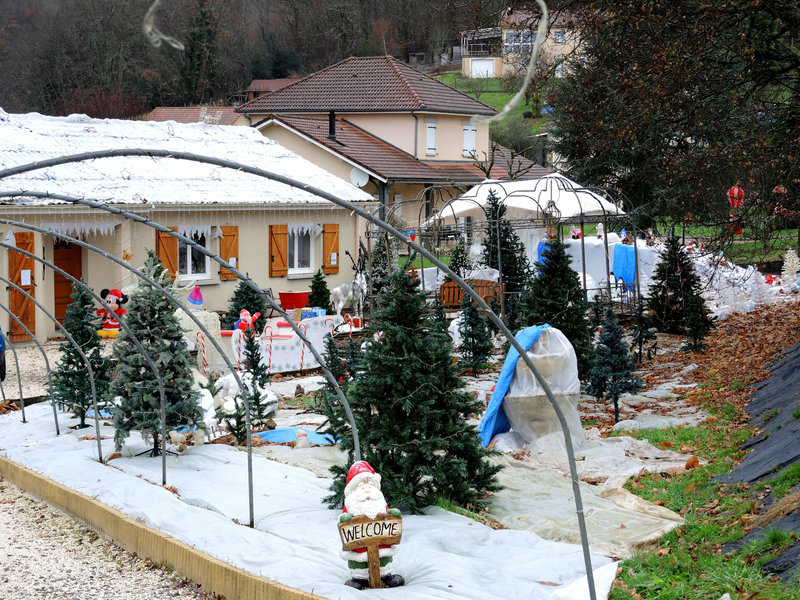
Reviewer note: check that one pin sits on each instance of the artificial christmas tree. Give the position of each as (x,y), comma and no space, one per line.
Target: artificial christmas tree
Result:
(320,295)
(153,321)
(476,338)
(613,372)
(246,298)
(643,333)
(255,378)
(675,281)
(71,386)
(381,264)
(698,324)
(515,268)
(410,412)
(459,259)
(327,398)
(555,296)
(791,265)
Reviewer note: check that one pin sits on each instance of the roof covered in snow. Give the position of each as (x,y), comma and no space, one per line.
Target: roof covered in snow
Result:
(32,137)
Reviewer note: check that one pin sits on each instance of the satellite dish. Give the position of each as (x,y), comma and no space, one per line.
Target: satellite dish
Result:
(358,177)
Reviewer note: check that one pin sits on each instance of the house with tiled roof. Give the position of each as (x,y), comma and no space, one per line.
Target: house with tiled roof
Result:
(210,115)
(403,136)
(259,87)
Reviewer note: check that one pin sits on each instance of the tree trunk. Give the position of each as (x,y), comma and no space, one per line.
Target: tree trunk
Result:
(156,448)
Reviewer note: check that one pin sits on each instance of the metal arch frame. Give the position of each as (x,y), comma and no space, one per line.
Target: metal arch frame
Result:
(403,238)
(46,363)
(74,343)
(176,302)
(19,378)
(243,277)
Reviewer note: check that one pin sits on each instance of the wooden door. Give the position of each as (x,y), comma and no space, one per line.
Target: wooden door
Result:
(20,271)
(66,256)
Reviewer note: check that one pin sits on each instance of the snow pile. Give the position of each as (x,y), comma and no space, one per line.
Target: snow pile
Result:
(443,555)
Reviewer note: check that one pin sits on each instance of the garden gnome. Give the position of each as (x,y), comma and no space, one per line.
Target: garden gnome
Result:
(363,496)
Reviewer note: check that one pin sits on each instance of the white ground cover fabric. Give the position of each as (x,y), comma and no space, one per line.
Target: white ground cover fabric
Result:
(442,556)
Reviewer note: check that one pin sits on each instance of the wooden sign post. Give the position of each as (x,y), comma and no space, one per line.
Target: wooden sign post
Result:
(362,532)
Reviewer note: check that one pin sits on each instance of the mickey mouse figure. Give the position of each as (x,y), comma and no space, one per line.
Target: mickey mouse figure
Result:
(114,300)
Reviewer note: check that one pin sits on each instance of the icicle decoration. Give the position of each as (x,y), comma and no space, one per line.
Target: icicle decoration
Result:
(83,231)
(303,228)
(195,231)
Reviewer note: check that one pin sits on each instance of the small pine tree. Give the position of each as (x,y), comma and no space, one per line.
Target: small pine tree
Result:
(153,321)
(411,414)
(516,270)
(381,264)
(255,378)
(698,324)
(613,372)
(675,282)
(320,295)
(643,333)
(245,297)
(555,297)
(460,262)
(327,398)
(71,387)
(438,316)
(476,338)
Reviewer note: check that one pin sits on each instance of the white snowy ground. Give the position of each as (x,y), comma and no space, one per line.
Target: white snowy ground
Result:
(442,556)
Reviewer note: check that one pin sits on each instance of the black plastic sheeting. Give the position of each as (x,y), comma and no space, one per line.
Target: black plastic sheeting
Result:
(772,409)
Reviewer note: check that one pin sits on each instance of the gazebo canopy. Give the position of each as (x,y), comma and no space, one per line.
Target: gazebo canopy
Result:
(555,194)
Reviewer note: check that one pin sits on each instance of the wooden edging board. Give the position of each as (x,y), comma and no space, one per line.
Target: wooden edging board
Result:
(211,573)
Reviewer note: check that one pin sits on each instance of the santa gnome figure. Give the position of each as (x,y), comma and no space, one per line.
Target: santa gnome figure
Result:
(363,496)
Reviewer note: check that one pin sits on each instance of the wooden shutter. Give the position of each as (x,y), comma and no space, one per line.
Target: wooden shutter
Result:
(228,249)
(278,250)
(167,251)
(330,248)
(20,305)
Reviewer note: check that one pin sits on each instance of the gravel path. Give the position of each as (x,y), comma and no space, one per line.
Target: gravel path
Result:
(49,556)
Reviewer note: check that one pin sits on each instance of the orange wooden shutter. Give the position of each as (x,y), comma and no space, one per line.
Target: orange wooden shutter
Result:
(278,250)
(330,248)
(228,249)
(167,251)
(20,305)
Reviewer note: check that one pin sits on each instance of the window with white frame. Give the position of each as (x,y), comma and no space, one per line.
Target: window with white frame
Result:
(470,139)
(518,42)
(430,138)
(559,71)
(192,263)
(559,37)
(300,253)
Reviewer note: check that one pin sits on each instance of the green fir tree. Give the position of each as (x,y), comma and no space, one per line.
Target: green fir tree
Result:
(152,319)
(411,413)
(438,316)
(673,290)
(72,389)
(555,296)
(320,295)
(511,252)
(460,262)
(476,337)
(255,378)
(613,372)
(246,298)
(381,264)
(698,324)
(327,398)
(643,333)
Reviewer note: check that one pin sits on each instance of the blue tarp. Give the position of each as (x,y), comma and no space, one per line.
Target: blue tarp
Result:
(289,434)
(624,262)
(540,250)
(495,420)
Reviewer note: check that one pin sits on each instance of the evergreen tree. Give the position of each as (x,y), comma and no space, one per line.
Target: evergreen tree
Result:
(459,259)
(438,316)
(152,320)
(255,378)
(516,270)
(698,324)
(555,297)
(71,387)
(327,397)
(674,287)
(245,297)
(320,294)
(410,412)
(476,338)
(613,372)
(381,264)
(643,333)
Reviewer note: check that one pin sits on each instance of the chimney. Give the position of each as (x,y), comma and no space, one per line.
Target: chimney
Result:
(332,126)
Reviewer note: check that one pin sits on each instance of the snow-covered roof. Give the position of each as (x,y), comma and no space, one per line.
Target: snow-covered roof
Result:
(27,138)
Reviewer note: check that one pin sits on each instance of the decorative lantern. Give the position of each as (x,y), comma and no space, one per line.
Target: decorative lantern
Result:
(735,196)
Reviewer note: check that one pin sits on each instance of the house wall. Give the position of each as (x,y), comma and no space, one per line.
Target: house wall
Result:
(466,65)
(132,240)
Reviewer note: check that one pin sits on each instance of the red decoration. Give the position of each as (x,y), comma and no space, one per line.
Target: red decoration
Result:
(779,189)
(735,196)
